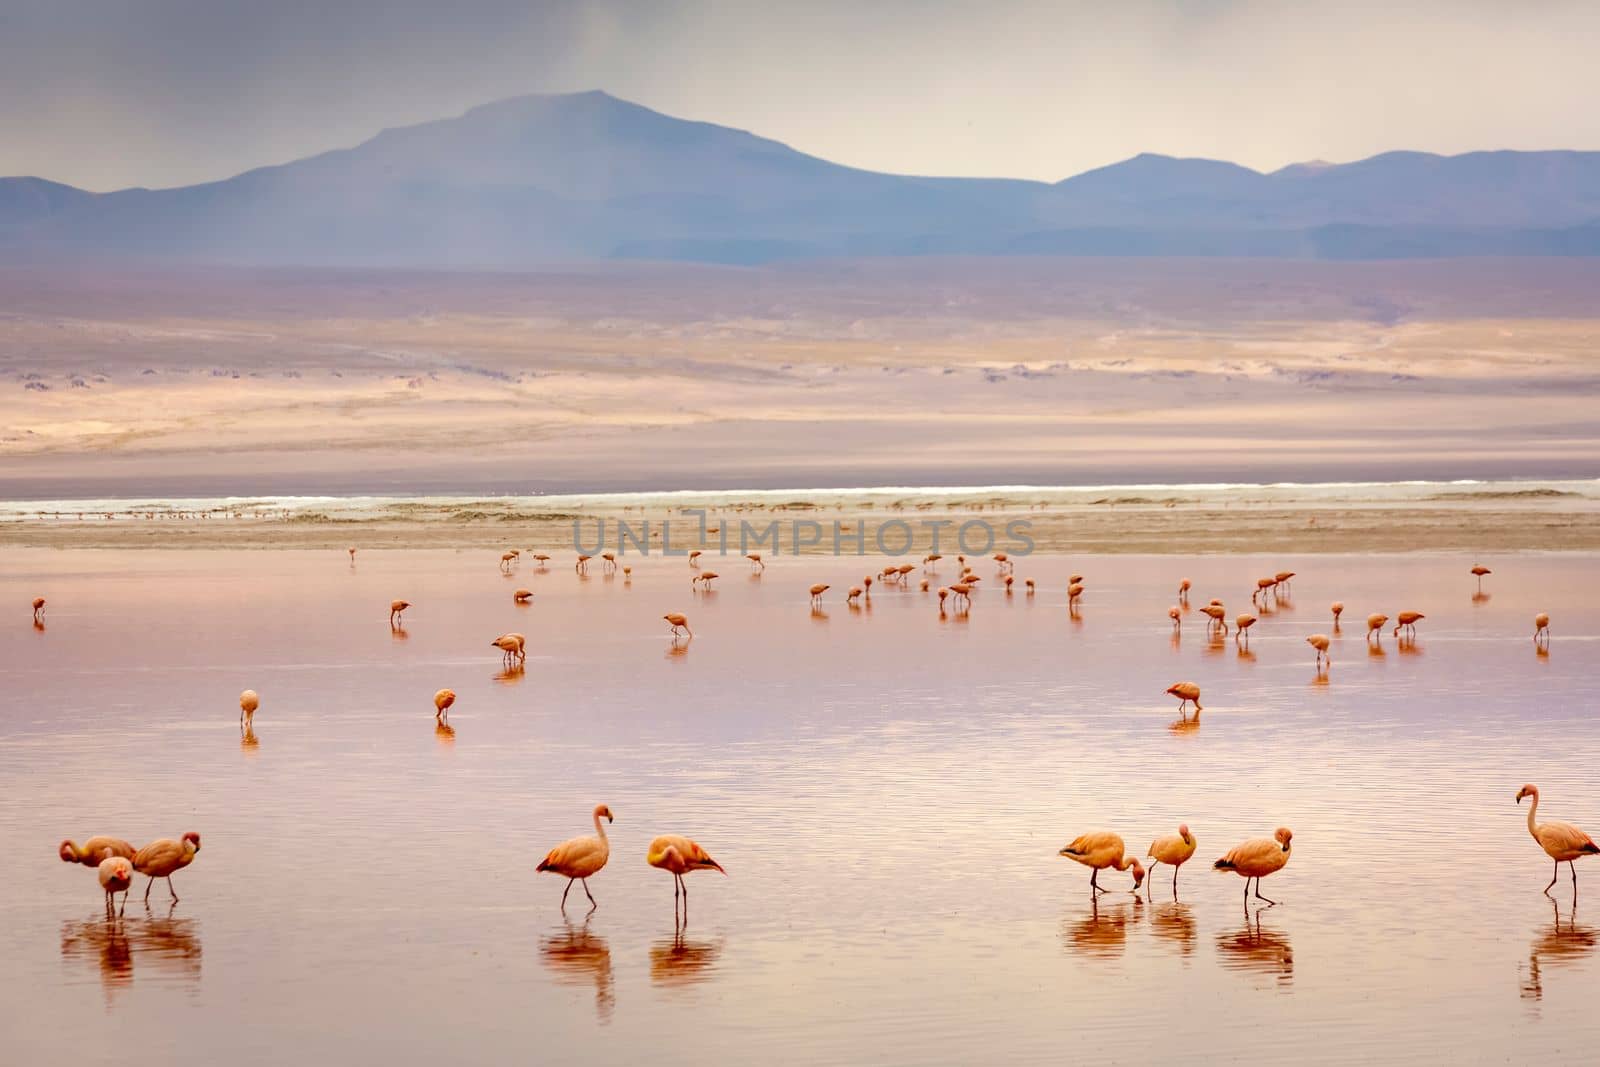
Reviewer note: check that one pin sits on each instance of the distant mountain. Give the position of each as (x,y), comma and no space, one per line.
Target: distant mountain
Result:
(539,179)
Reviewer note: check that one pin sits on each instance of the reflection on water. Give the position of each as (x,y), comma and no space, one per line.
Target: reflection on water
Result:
(399,633)
(1557,945)
(1103,933)
(1258,950)
(511,675)
(681,960)
(162,948)
(891,790)
(248,741)
(577,957)
(1173,922)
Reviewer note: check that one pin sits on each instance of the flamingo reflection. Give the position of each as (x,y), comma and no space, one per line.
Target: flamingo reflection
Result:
(1258,951)
(680,961)
(1174,922)
(577,957)
(167,948)
(1103,933)
(1558,946)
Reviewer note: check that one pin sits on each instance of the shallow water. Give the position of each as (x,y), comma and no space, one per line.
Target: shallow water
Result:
(887,789)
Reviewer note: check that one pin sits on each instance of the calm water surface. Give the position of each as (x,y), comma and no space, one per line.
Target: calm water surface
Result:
(886,788)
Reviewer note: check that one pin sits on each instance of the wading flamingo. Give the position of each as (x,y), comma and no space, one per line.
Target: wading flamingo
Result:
(1257,859)
(930,562)
(522,596)
(1561,841)
(855,591)
(608,561)
(1242,624)
(248,703)
(506,559)
(1218,616)
(1177,618)
(1027,583)
(677,621)
(442,700)
(1174,851)
(1099,851)
(1187,693)
(943,592)
(816,593)
(1263,587)
(116,876)
(756,562)
(580,858)
(1183,591)
(1478,571)
(38,608)
(396,610)
(694,558)
(1375,626)
(163,858)
(94,850)
(1074,592)
(960,591)
(1320,642)
(352,552)
(512,647)
(541,559)
(678,856)
(1407,621)
(582,564)
(1281,579)
(1338,609)
(1541,625)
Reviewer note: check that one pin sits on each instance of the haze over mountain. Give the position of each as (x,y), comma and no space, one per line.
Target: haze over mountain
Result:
(543,179)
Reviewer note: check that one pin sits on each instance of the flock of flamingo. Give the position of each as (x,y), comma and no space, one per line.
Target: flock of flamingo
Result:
(580,858)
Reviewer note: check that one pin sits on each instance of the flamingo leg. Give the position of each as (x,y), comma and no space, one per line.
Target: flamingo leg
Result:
(564,893)
(588,894)
(1269,900)
(1174,883)
(1553,878)
(171,890)
(152,882)
(1573,867)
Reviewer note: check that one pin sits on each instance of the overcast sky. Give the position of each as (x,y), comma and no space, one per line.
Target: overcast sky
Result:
(109,93)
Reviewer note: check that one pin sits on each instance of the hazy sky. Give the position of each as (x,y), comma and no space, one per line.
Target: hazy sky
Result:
(108,93)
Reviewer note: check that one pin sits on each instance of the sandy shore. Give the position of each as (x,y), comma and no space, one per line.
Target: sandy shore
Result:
(1475,523)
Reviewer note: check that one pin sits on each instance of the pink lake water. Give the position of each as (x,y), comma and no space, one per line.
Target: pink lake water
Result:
(887,789)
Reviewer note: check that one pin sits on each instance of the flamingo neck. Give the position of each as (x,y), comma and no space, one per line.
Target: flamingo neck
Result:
(599,828)
(1533,826)
(1123,864)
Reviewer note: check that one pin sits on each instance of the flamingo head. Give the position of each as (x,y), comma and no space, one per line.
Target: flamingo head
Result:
(711,864)
(69,852)
(1283,836)
(1138,873)
(192,838)
(1183,832)
(604,812)
(1525,791)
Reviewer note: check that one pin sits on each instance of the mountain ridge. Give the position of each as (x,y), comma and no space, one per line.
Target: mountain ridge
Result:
(551,177)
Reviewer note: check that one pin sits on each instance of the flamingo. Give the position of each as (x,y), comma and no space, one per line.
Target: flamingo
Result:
(163,858)
(1218,616)
(1479,570)
(38,608)
(1099,851)
(1074,591)
(1172,850)
(582,564)
(855,591)
(1541,625)
(1375,626)
(930,562)
(442,700)
(1004,561)
(816,593)
(924,585)
(1257,859)
(94,850)
(1187,693)
(1183,591)
(1320,642)
(1338,609)
(580,858)
(1561,841)
(960,590)
(943,592)
(512,647)
(248,703)
(694,558)
(1281,578)
(757,564)
(1177,618)
(522,596)
(352,552)
(678,856)
(678,621)
(1241,627)
(396,611)
(1407,621)
(506,559)
(1263,587)
(541,559)
(608,561)
(116,876)
(1027,583)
